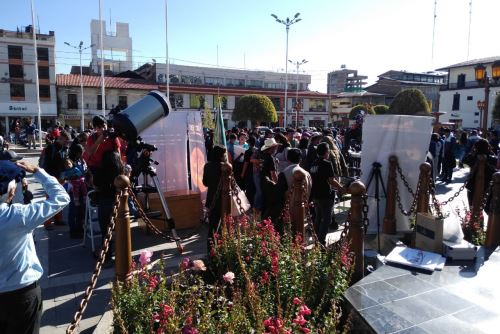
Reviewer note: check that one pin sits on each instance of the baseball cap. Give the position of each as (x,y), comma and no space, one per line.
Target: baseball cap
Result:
(10,155)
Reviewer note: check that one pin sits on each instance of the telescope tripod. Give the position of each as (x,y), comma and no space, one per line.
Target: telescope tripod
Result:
(376,175)
(147,170)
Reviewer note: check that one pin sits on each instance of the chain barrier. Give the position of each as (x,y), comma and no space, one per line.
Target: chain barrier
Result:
(477,214)
(413,206)
(233,191)
(97,271)
(149,223)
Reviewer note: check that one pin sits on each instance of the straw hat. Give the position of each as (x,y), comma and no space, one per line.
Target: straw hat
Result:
(268,143)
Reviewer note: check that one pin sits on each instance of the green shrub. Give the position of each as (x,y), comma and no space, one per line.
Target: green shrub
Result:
(367,108)
(381,109)
(410,102)
(256,108)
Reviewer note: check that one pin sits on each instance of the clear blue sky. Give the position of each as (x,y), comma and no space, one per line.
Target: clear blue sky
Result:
(370,36)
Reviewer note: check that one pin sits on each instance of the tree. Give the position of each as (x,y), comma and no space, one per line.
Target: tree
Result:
(496,110)
(256,108)
(207,118)
(409,102)
(366,107)
(381,109)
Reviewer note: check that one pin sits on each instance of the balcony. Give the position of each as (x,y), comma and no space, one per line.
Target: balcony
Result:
(468,85)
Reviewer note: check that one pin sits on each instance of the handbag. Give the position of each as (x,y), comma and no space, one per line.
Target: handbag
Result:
(236,194)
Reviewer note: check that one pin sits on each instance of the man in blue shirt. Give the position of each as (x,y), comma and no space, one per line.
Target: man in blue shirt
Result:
(20,268)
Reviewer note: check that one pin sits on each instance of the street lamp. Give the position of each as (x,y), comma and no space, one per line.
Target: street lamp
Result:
(298,105)
(287,23)
(80,49)
(482,77)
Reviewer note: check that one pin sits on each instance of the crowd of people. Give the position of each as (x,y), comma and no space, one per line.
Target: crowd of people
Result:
(263,166)
(449,149)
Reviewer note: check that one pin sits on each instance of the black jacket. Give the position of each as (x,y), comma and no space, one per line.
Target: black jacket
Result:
(211,179)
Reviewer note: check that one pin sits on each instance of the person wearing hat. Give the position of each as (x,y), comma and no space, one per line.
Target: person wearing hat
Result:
(311,149)
(268,175)
(20,268)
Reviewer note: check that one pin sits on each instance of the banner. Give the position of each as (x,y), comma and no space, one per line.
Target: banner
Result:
(408,138)
(169,134)
(197,153)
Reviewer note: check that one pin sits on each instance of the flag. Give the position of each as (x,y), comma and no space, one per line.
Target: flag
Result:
(220,132)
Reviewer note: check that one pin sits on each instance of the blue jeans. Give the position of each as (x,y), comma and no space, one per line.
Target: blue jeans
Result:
(323,208)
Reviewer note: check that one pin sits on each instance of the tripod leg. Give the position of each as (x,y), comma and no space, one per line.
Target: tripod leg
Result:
(169,220)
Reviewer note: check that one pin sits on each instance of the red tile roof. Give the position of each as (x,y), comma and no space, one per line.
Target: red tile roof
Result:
(73,80)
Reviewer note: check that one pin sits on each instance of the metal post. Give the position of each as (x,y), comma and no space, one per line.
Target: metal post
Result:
(297,206)
(103,97)
(389,226)
(37,80)
(286,77)
(356,229)
(493,229)
(486,101)
(82,123)
(123,247)
(423,191)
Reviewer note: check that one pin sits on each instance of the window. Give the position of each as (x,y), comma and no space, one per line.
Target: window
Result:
(122,102)
(17,90)
(99,103)
(72,101)
(44,91)
(15,52)
(222,100)
(16,71)
(196,101)
(476,113)
(276,102)
(460,81)
(43,72)
(456,102)
(43,53)
(316,105)
(469,98)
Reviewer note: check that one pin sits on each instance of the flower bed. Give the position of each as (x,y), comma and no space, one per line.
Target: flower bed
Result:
(255,282)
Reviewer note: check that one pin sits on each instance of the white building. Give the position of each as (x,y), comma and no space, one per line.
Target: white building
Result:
(18,96)
(459,99)
(117,47)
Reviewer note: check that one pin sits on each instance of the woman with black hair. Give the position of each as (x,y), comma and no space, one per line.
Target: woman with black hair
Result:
(211,179)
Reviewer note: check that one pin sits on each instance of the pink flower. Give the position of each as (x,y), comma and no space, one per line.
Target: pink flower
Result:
(304,310)
(145,257)
(297,301)
(265,277)
(299,320)
(198,265)
(305,330)
(229,277)
(185,263)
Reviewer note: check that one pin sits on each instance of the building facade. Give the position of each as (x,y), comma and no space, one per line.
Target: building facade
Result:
(459,98)
(18,95)
(125,91)
(345,80)
(117,50)
(392,82)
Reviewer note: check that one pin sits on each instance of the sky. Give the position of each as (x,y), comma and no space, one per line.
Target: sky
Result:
(370,36)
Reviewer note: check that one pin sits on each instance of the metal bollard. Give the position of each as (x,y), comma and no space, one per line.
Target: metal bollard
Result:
(423,191)
(389,226)
(493,229)
(297,205)
(123,247)
(356,229)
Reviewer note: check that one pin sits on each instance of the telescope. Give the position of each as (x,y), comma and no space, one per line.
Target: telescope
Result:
(140,115)
(128,124)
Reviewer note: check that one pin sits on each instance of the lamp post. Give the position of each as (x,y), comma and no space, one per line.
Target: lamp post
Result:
(287,23)
(298,105)
(80,49)
(482,78)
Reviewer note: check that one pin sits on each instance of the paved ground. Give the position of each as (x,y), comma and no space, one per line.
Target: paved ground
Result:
(68,265)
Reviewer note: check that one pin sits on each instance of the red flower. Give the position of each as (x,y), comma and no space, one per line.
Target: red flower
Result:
(304,310)
(297,301)
(305,330)
(299,320)
(265,277)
